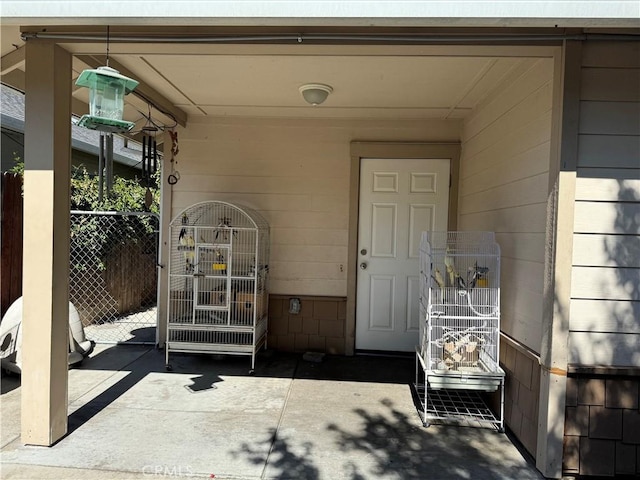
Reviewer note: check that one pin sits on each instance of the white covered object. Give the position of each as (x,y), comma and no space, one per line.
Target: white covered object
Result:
(11,338)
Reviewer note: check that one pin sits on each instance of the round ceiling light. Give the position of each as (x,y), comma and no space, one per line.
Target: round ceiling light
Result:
(315,93)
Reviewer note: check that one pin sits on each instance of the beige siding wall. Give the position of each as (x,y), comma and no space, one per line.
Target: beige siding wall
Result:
(605,305)
(296,173)
(504,186)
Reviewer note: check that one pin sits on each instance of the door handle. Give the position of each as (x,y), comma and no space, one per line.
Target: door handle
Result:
(363,266)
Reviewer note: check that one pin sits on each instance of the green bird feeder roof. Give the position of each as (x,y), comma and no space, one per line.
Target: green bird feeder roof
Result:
(90,78)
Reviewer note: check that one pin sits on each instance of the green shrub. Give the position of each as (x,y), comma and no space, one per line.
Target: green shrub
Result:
(93,239)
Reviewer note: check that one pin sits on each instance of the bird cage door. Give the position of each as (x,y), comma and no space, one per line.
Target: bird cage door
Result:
(211,285)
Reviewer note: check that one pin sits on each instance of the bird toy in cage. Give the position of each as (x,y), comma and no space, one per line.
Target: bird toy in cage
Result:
(478,277)
(219,265)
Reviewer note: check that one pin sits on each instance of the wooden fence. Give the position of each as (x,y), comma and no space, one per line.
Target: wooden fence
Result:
(11,228)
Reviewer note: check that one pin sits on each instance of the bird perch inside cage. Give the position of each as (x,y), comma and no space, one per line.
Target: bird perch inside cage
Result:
(460,350)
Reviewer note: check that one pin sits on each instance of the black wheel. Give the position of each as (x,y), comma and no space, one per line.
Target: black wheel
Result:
(252,372)
(168,367)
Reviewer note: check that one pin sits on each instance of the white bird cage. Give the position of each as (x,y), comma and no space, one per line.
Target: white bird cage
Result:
(460,326)
(218,273)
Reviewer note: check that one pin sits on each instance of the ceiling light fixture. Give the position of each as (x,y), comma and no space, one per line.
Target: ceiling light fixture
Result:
(315,93)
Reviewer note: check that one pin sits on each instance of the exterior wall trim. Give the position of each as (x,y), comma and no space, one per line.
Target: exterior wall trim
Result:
(558,261)
(518,346)
(599,370)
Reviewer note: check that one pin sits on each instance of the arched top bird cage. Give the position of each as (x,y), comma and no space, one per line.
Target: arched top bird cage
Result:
(220,214)
(218,275)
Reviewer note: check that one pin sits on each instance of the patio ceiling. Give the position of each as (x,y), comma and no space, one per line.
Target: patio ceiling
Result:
(187,80)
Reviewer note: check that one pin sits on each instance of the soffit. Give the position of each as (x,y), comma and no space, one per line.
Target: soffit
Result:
(258,80)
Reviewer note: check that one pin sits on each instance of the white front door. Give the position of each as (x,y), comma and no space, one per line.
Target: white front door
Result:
(399,199)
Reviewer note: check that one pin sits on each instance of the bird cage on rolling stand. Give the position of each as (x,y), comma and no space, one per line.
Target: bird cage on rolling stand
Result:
(458,354)
(218,272)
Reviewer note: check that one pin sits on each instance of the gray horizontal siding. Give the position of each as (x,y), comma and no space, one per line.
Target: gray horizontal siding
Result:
(605,349)
(596,81)
(607,316)
(610,118)
(608,151)
(605,288)
(597,250)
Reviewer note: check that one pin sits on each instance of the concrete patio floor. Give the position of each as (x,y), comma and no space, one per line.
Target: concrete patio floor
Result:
(345,418)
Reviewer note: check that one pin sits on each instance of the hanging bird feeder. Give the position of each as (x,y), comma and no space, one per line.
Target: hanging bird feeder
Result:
(107,88)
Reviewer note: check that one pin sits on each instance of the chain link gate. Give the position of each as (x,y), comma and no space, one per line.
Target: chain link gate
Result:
(113,275)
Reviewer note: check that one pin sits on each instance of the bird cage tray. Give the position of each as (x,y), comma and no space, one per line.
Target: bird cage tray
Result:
(217,338)
(467,380)
(479,376)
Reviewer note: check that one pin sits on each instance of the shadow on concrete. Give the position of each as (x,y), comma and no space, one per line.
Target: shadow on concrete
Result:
(140,361)
(143,335)
(207,370)
(385,442)
(400,449)
(280,457)
(389,444)
(376,369)
(90,409)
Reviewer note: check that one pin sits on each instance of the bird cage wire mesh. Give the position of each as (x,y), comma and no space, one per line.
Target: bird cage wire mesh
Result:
(218,273)
(113,279)
(460,327)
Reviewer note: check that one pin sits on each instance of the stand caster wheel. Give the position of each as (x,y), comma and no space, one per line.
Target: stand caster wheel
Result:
(252,372)
(168,367)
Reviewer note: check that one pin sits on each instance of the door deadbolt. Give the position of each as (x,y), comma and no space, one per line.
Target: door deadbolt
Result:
(363,251)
